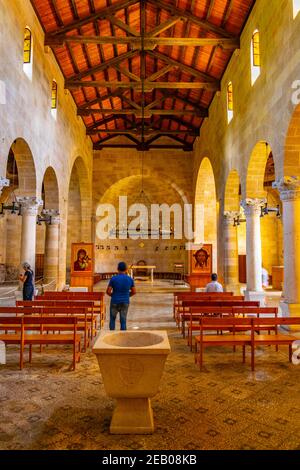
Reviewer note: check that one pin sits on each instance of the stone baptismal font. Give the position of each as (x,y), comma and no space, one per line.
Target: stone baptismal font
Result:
(131,364)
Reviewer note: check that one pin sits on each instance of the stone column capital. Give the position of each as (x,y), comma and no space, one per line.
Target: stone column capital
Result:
(253,206)
(288,187)
(54,214)
(4,182)
(230,216)
(29,204)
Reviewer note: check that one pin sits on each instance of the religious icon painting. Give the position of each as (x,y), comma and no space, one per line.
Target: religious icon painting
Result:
(82,258)
(201,260)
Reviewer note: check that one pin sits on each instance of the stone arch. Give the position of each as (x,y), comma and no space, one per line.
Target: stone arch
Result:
(47,258)
(206,207)
(291,165)
(256,170)
(137,178)
(79,206)
(50,190)
(20,170)
(260,177)
(232,192)
(158,252)
(26,172)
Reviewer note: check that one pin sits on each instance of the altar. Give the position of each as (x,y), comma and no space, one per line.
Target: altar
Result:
(151,268)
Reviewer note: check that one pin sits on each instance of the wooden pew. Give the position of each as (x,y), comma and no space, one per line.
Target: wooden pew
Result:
(242,312)
(89,305)
(85,319)
(235,338)
(20,335)
(96,297)
(208,297)
(199,306)
(193,318)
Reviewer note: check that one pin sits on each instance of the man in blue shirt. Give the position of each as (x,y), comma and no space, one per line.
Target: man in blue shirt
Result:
(120,288)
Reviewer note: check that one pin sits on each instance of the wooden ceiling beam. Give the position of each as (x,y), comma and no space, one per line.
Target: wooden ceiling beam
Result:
(123,26)
(171,95)
(107,121)
(102,14)
(181,122)
(127,73)
(105,65)
(160,73)
(148,86)
(186,68)
(147,113)
(149,42)
(163,26)
(115,94)
(148,132)
(184,147)
(186,15)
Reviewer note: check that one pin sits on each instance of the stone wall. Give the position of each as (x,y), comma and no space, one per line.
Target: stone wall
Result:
(27,114)
(262,112)
(167,178)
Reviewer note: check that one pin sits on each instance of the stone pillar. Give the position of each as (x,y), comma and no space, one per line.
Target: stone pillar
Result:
(231,259)
(51,259)
(30,207)
(289,188)
(252,208)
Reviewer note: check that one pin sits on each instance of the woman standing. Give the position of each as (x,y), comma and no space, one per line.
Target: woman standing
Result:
(28,284)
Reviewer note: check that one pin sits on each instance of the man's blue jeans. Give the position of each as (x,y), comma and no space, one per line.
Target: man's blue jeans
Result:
(114,310)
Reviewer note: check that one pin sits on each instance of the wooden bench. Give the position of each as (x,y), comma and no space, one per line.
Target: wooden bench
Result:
(236,338)
(178,306)
(20,335)
(85,319)
(244,312)
(180,296)
(201,307)
(194,315)
(66,304)
(96,297)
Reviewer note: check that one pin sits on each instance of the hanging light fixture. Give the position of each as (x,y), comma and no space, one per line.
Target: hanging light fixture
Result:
(142,198)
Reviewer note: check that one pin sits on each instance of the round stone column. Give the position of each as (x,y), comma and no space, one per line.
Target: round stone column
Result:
(231,258)
(252,208)
(51,259)
(30,207)
(289,188)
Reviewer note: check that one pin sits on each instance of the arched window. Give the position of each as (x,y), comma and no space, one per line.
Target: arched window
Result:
(54,99)
(27,46)
(255,56)
(54,95)
(296,7)
(229,101)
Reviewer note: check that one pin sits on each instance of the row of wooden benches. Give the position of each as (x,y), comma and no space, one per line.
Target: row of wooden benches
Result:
(55,318)
(231,319)
(233,327)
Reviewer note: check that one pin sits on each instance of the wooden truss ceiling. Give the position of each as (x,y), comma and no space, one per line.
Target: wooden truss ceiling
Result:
(143,69)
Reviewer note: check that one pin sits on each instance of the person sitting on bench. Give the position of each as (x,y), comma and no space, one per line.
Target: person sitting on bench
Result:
(214,285)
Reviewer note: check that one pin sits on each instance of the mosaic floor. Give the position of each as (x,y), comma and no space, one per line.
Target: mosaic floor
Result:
(46,406)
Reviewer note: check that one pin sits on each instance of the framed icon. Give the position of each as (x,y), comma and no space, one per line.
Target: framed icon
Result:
(82,259)
(201,260)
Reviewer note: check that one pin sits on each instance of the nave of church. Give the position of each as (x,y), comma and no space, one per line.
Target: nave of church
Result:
(149,152)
